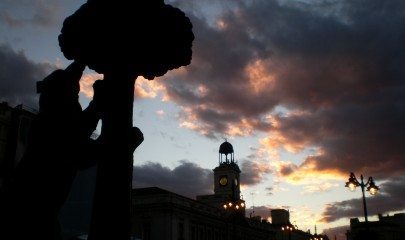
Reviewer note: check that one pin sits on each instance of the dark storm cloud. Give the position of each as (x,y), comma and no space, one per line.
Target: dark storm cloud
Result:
(19,13)
(341,64)
(186,179)
(354,138)
(18,76)
(390,199)
(287,169)
(218,63)
(253,172)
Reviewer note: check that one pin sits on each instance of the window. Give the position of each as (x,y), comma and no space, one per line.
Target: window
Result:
(181,230)
(146,229)
(193,233)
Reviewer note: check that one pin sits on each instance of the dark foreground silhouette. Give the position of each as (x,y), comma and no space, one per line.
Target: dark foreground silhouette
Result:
(123,40)
(59,146)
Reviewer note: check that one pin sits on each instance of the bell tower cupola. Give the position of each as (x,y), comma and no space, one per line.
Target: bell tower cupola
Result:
(226,175)
(226,149)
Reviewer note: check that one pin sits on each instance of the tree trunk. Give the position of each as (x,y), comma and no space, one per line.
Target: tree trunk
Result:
(112,201)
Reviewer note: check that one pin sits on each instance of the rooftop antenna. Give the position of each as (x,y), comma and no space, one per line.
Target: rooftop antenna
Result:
(226,155)
(253,202)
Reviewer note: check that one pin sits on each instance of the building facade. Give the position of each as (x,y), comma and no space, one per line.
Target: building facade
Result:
(386,228)
(160,214)
(15,123)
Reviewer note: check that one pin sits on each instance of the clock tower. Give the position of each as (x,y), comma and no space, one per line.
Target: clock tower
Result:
(226,175)
(226,182)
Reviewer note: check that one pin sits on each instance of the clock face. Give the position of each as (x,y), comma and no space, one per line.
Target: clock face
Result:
(223,181)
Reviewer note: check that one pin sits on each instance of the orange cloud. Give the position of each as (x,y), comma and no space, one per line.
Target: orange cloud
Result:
(148,89)
(190,121)
(143,87)
(86,83)
(202,90)
(259,77)
(153,88)
(277,139)
(306,174)
(221,24)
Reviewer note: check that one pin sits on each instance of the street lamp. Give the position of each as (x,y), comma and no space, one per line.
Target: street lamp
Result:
(234,208)
(234,205)
(371,187)
(288,229)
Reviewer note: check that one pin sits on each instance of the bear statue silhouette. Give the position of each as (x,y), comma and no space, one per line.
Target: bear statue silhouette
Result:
(59,145)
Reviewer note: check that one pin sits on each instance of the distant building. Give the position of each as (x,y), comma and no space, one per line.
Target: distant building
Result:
(280,223)
(386,228)
(15,123)
(280,217)
(160,214)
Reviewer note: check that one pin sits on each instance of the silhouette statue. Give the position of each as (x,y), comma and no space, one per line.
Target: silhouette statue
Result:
(123,40)
(59,145)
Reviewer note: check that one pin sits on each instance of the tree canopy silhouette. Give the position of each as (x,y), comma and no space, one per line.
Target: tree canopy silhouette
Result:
(144,37)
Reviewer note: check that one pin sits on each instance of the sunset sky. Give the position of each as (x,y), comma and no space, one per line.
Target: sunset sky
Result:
(305,91)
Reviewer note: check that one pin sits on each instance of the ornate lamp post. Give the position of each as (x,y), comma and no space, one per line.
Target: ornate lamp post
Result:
(371,187)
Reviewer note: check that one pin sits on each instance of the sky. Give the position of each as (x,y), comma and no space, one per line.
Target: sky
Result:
(305,91)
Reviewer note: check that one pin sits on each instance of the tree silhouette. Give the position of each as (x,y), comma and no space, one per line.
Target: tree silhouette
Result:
(123,40)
